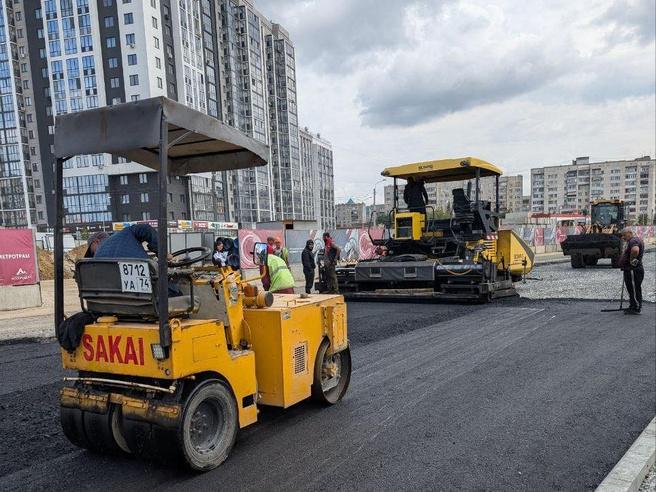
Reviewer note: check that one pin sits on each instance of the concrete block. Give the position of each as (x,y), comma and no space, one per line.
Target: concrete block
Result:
(19,297)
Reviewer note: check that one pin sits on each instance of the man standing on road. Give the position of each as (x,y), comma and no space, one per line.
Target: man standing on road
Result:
(415,195)
(307,258)
(330,256)
(634,272)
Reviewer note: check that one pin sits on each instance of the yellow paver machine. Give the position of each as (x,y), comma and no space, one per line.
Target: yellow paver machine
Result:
(176,377)
(463,257)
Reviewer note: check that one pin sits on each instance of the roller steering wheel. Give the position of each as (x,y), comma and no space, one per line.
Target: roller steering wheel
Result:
(205,253)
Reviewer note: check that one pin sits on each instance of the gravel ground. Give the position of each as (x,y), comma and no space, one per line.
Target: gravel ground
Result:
(560,280)
(649,483)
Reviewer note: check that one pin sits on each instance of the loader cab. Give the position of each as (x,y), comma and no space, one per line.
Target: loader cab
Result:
(607,213)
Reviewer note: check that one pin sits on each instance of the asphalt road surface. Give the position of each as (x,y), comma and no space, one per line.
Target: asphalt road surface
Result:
(519,394)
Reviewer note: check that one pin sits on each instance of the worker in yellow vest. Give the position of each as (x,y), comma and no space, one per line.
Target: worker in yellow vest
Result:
(277,277)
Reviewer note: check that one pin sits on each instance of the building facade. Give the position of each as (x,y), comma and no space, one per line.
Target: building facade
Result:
(318,180)
(572,188)
(350,215)
(221,57)
(17,201)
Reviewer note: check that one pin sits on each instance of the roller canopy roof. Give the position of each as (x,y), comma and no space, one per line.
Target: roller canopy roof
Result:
(197,142)
(443,170)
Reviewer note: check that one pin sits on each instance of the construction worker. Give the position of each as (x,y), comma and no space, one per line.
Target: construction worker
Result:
(415,195)
(330,257)
(277,278)
(309,265)
(280,251)
(634,271)
(93,242)
(271,249)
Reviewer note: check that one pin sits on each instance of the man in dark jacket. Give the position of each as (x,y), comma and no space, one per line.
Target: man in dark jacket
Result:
(634,271)
(307,258)
(415,195)
(330,258)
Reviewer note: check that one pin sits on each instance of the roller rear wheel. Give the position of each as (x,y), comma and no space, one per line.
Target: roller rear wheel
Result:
(332,374)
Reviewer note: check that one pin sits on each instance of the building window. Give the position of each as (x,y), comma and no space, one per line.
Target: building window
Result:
(108,3)
(132,59)
(134,80)
(144,198)
(109,21)
(154,23)
(26,84)
(128,18)
(153,3)
(28,101)
(116,100)
(125,199)
(130,39)
(123,179)
(158,63)
(156,41)
(160,84)
(170,197)
(125,217)
(143,178)
(110,42)
(144,215)
(135,97)
(112,62)
(115,82)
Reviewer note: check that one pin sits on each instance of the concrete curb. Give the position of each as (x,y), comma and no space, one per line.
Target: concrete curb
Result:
(631,470)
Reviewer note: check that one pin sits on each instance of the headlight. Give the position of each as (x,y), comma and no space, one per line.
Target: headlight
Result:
(158,351)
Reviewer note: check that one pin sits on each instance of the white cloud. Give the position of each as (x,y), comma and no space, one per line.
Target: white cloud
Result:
(518,83)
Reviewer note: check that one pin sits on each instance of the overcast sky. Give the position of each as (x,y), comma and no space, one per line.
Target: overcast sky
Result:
(520,83)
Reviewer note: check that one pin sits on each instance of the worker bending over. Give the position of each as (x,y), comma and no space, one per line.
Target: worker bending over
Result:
(634,271)
(276,276)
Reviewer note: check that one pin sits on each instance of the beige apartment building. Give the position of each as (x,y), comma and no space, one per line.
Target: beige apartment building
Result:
(350,215)
(571,188)
(440,195)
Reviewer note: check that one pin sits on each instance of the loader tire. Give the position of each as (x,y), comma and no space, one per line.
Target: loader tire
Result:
(577,261)
(209,425)
(324,390)
(590,260)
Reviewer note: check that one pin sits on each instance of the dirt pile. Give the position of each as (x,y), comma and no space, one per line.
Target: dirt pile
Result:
(46,262)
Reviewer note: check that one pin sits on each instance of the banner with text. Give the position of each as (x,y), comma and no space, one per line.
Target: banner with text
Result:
(17,257)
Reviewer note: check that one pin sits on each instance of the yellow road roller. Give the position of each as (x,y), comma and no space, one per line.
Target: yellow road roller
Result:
(175,378)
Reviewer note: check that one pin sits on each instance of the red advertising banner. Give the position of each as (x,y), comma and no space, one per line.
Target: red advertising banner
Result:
(17,257)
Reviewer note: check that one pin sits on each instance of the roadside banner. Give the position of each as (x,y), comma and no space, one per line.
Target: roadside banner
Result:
(367,248)
(17,257)
(538,236)
(549,235)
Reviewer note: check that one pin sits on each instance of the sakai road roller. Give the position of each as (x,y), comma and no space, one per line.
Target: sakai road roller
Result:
(175,378)
(601,238)
(464,257)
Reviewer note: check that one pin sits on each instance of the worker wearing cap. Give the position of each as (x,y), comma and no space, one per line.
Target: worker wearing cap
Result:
(280,251)
(276,276)
(330,256)
(93,242)
(634,271)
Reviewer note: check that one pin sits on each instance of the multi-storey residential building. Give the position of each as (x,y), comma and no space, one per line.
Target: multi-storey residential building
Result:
(221,57)
(571,188)
(17,204)
(318,182)
(350,215)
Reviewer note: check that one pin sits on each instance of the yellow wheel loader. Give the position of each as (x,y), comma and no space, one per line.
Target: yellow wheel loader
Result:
(175,378)
(464,257)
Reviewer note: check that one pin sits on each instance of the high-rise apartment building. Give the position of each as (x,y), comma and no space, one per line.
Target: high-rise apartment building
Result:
(317,178)
(17,203)
(221,57)
(571,188)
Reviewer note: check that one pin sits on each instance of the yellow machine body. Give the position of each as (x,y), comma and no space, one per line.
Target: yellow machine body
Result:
(513,253)
(409,225)
(265,354)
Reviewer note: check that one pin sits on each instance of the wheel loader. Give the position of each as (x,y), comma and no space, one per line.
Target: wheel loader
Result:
(175,378)
(601,238)
(464,257)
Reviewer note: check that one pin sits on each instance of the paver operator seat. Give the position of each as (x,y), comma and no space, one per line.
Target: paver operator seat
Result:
(103,293)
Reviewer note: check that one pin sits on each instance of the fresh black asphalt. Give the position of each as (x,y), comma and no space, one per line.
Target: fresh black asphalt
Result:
(518,394)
